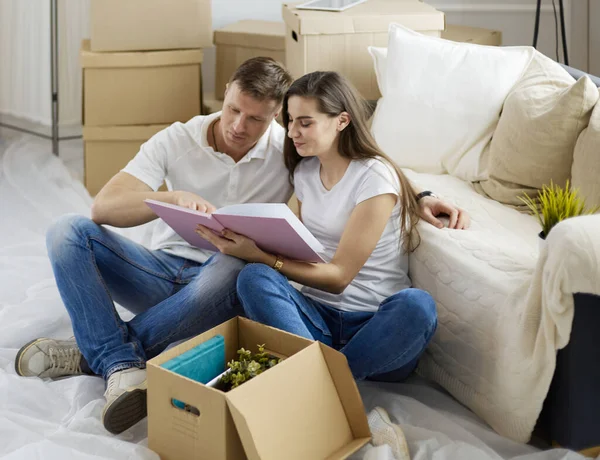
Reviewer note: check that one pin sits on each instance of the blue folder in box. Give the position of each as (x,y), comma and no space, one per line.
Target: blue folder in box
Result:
(201,363)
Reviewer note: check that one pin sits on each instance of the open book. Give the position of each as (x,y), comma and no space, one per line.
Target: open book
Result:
(273,226)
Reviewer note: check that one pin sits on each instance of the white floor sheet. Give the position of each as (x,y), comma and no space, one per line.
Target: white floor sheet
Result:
(61,419)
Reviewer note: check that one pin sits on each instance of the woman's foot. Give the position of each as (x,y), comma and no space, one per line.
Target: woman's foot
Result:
(125,399)
(386,432)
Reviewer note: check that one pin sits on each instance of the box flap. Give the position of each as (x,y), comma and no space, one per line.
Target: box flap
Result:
(121,133)
(292,410)
(369,17)
(347,391)
(91,59)
(267,35)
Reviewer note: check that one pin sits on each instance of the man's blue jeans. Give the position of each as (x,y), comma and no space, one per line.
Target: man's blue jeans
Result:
(383,345)
(173,298)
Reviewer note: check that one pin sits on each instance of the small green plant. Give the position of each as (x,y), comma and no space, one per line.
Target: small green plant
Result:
(555,203)
(247,367)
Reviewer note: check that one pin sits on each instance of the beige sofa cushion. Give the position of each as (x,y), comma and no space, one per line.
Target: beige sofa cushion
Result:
(585,172)
(541,120)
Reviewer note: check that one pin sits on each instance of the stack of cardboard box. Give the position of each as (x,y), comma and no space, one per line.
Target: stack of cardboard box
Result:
(141,72)
(237,42)
(312,40)
(323,40)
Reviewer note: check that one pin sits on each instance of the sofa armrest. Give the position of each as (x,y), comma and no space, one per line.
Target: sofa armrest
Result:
(576,244)
(570,413)
(577,74)
(572,266)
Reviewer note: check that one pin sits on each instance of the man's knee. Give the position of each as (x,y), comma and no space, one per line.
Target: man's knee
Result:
(228,263)
(64,229)
(253,278)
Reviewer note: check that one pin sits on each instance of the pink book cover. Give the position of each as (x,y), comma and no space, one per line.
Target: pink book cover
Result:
(273,226)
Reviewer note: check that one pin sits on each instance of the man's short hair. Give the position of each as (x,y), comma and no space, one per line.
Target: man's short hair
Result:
(262,78)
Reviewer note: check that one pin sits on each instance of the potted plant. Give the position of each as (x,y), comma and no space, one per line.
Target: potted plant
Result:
(555,203)
(248,366)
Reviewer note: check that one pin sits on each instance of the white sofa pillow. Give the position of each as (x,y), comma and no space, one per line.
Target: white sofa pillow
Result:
(442,101)
(379,56)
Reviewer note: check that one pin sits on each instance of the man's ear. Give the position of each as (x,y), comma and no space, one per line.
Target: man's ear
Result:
(343,120)
(226,88)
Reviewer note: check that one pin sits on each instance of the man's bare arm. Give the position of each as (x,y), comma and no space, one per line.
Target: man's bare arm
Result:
(120,203)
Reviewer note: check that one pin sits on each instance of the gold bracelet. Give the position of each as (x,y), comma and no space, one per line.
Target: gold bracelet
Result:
(278,263)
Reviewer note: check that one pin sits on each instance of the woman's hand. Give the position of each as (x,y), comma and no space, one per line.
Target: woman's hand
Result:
(431,207)
(236,245)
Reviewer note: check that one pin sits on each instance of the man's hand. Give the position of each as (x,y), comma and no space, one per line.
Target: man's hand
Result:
(193,201)
(431,207)
(235,245)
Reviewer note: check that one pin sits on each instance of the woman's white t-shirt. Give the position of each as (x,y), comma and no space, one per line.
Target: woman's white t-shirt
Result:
(326,212)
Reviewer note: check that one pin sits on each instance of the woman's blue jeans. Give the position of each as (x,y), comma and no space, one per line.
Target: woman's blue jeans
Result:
(383,345)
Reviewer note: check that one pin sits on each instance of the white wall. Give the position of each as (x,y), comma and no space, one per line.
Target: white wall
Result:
(25,59)
(25,80)
(515,18)
(594,51)
(25,47)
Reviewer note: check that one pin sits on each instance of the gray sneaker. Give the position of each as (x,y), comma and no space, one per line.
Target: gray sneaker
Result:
(125,399)
(383,431)
(49,358)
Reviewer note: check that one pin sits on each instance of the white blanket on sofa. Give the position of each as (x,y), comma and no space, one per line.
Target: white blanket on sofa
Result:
(504,305)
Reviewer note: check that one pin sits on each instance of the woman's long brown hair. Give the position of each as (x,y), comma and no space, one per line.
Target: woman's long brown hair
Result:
(334,95)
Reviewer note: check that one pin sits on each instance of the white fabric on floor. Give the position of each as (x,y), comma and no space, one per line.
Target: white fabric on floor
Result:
(61,419)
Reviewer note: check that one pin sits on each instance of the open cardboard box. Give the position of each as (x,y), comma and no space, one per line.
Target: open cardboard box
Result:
(306,407)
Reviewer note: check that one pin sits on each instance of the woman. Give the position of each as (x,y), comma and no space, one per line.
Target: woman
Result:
(360,206)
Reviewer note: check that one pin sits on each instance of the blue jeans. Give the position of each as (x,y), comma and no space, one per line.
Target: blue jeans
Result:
(384,345)
(173,298)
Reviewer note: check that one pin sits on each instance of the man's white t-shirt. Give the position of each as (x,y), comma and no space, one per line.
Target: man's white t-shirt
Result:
(326,212)
(180,156)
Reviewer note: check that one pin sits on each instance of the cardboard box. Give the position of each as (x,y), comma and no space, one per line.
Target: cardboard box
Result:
(324,40)
(306,407)
(475,35)
(142,25)
(108,149)
(140,88)
(244,40)
(211,105)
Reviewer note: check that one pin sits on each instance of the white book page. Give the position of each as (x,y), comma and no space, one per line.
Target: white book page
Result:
(255,210)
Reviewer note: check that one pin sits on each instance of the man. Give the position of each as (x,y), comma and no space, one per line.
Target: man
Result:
(175,290)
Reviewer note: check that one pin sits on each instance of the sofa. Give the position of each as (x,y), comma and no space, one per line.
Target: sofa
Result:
(570,413)
(482,126)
